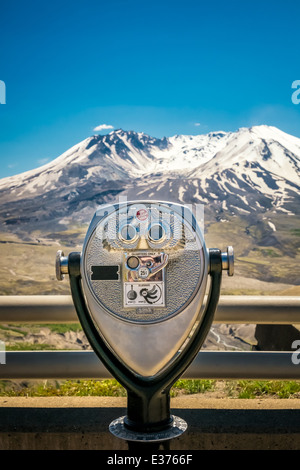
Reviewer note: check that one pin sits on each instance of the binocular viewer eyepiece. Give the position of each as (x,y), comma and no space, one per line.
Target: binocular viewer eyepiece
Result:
(139,289)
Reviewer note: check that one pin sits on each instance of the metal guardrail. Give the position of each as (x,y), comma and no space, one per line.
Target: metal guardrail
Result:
(207,364)
(231,309)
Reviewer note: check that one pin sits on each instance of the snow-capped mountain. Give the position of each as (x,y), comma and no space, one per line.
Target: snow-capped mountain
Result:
(116,156)
(111,157)
(250,171)
(257,162)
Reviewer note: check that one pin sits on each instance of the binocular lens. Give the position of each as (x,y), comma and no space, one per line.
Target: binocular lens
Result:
(156,233)
(128,233)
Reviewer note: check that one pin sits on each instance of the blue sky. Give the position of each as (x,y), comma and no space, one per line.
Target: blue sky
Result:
(160,67)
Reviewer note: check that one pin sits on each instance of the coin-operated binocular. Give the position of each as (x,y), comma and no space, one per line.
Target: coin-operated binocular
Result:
(138,288)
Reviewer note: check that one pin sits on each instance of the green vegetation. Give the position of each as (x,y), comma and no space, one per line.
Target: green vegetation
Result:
(245,389)
(264,388)
(269,252)
(109,387)
(60,328)
(24,328)
(8,329)
(66,388)
(29,347)
(33,337)
(189,387)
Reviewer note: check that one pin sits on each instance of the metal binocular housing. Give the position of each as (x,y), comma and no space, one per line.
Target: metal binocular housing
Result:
(140,291)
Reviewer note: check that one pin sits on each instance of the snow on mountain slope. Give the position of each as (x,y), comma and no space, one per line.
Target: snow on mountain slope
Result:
(261,147)
(116,156)
(186,152)
(256,168)
(248,171)
(121,154)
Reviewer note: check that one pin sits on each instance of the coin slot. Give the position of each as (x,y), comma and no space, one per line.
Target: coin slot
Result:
(133,262)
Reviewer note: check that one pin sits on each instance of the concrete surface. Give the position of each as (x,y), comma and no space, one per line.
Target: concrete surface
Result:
(75,423)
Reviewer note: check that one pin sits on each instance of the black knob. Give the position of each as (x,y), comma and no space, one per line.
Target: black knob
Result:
(132,295)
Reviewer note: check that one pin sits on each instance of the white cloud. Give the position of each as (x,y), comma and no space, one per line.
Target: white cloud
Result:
(42,161)
(103,127)
(197,124)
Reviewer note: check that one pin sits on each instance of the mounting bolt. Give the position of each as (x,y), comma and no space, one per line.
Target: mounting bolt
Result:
(228,261)
(61,265)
